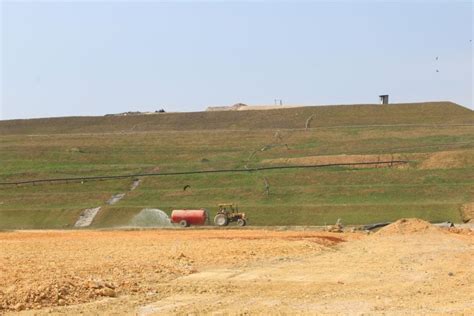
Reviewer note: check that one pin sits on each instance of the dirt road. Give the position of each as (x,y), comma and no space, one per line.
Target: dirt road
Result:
(412,268)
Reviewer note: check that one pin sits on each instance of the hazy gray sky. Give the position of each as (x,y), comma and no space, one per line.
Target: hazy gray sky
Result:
(93,58)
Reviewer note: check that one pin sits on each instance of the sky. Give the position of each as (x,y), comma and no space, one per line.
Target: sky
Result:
(74,58)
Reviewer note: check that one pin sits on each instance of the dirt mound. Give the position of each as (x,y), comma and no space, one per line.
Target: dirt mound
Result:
(449,159)
(467,212)
(55,292)
(406,226)
(461,231)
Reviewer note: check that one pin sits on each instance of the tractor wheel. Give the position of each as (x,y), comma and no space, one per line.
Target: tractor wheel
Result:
(183,223)
(241,222)
(221,220)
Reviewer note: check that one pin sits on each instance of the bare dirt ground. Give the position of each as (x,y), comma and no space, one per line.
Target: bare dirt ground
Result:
(409,267)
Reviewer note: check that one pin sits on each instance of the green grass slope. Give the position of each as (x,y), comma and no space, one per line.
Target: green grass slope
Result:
(438,180)
(286,118)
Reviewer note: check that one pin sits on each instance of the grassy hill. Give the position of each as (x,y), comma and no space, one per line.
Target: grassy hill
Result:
(438,139)
(286,118)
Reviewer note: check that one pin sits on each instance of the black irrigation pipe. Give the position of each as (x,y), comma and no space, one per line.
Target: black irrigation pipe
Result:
(391,162)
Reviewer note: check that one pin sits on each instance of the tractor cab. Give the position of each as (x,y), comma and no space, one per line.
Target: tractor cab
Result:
(229,212)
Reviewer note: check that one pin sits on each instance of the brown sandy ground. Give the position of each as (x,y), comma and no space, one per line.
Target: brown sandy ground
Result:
(438,160)
(409,267)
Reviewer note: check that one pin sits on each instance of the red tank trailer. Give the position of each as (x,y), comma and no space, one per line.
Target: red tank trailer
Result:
(186,218)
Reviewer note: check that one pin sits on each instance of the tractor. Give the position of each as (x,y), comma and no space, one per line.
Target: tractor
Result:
(227,213)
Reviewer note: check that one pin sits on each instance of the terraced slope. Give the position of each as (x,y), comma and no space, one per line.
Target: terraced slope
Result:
(287,118)
(435,184)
